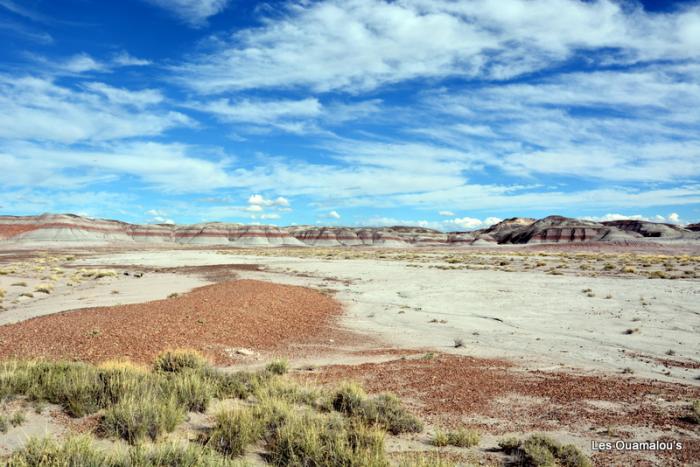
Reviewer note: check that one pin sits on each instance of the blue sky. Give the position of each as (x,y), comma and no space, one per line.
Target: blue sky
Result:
(448,114)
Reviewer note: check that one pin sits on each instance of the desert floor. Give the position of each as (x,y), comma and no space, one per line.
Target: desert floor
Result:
(582,345)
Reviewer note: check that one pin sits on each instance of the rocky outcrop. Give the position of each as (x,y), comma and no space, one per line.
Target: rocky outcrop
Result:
(553,229)
(558,229)
(398,236)
(72,228)
(504,229)
(693,227)
(654,229)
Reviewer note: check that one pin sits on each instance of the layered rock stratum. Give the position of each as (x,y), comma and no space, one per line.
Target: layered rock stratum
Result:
(53,228)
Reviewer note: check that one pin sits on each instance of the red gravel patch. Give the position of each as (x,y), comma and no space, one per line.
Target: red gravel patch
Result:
(244,313)
(448,388)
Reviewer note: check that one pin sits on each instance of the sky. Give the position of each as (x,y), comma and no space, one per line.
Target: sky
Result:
(440,113)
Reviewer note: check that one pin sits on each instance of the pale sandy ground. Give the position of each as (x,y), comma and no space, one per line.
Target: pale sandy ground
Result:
(90,293)
(544,321)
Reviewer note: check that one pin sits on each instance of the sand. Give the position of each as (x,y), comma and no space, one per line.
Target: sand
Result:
(552,342)
(539,320)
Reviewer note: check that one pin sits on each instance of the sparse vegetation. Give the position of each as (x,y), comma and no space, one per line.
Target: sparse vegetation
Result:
(439,439)
(298,425)
(278,367)
(539,450)
(694,416)
(458,342)
(44,288)
(384,410)
(233,431)
(179,360)
(461,438)
(18,418)
(82,451)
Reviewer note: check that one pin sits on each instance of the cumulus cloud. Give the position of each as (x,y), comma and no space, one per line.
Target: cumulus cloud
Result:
(469,223)
(333,215)
(194,13)
(259,200)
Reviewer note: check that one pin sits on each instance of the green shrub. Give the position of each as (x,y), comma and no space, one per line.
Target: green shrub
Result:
(81,452)
(179,360)
(310,439)
(4,423)
(233,431)
(384,410)
(278,367)
(241,384)
(76,451)
(75,386)
(192,390)
(463,438)
(349,399)
(139,416)
(272,414)
(173,454)
(288,391)
(541,451)
(440,439)
(17,419)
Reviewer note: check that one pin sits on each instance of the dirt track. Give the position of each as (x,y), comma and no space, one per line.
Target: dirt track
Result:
(245,313)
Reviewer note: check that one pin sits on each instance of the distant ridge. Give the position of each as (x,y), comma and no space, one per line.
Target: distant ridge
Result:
(47,228)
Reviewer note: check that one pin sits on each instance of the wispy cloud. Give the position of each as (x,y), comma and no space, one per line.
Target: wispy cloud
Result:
(193,13)
(168,168)
(17,29)
(357,45)
(38,109)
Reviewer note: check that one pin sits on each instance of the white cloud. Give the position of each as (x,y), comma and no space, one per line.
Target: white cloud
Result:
(162,220)
(277,112)
(333,215)
(125,59)
(466,222)
(281,201)
(561,125)
(260,200)
(142,98)
(256,200)
(446,213)
(80,63)
(194,13)
(169,167)
(39,109)
(309,44)
(672,218)
(463,223)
